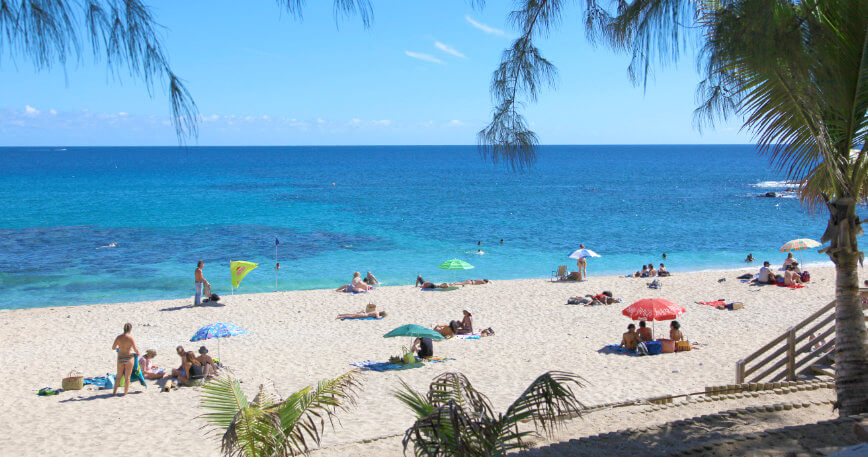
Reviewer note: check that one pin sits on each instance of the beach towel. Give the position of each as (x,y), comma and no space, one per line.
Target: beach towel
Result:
(386,366)
(361,318)
(102,382)
(794,286)
(715,303)
(441,290)
(469,336)
(617,349)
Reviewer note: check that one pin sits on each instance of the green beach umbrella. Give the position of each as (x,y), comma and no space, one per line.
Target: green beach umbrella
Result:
(414,331)
(455,264)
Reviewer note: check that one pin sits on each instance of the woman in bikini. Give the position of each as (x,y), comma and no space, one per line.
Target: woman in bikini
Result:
(375,315)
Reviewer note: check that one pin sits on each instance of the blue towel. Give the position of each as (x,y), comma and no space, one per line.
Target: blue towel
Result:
(616,349)
(361,318)
(103,382)
(384,366)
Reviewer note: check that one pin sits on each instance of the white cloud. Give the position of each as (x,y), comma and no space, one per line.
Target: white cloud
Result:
(123,113)
(382,122)
(448,49)
(52,112)
(425,57)
(485,28)
(30,111)
(454,123)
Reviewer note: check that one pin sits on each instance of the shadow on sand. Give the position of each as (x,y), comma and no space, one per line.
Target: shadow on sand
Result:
(210,304)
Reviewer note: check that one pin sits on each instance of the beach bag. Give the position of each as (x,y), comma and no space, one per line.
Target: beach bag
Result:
(667,346)
(805,276)
(371,308)
(214,298)
(73,381)
(682,346)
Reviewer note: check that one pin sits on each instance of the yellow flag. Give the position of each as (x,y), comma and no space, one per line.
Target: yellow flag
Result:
(239,269)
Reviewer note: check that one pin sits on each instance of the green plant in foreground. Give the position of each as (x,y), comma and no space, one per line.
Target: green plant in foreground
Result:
(269,426)
(454,419)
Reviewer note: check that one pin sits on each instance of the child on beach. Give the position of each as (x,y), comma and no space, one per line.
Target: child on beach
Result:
(148,370)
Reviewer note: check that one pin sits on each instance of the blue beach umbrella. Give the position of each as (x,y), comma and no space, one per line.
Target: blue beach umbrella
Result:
(217,330)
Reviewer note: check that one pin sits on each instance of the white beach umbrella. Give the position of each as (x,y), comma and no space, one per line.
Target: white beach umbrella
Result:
(581,253)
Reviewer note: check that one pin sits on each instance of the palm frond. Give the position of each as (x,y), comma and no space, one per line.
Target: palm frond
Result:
(342,8)
(303,414)
(523,71)
(547,402)
(448,431)
(455,388)
(417,402)
(241,424)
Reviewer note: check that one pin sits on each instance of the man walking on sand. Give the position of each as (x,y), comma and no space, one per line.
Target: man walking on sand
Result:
(200,283)
(127,353)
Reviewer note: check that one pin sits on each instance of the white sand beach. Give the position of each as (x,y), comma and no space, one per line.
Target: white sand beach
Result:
(294,341)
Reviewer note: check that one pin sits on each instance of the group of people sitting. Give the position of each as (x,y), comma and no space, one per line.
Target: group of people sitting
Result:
(423,284)
(192,369)
(648,271)
(633,337)
(604,298)
(424,347)
(792,276)
(359,284)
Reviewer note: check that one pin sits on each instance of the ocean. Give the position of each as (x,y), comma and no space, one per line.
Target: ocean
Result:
(398,211)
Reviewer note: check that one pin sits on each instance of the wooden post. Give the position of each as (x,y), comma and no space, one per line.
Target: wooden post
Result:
(791,354)
(739,372)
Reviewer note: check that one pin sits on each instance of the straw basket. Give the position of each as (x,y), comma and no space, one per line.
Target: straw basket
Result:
(73,381)
(370,308)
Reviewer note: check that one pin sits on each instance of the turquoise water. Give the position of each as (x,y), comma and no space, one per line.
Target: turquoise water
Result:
(397,211)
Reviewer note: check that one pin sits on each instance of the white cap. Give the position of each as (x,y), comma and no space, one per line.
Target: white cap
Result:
(467,310)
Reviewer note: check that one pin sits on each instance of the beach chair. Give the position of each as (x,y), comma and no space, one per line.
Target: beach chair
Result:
(560,274)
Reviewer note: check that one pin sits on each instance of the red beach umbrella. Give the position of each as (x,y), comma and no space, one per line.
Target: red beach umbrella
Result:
(653,309)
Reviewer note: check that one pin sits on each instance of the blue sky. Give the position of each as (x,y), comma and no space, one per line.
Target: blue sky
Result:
(419,75)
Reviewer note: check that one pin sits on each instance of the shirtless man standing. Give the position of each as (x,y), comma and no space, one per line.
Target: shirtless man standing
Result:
(200,283)
(127,352)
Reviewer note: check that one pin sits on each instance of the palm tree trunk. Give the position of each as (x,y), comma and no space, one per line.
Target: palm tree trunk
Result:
(851,339)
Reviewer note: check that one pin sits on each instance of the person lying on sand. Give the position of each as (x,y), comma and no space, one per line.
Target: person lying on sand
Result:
(447,330)
(375,315)
(644,332)
(630,339)
(471,282)
(431,285)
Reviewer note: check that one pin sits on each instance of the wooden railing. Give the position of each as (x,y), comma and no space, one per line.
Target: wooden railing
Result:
(790,354)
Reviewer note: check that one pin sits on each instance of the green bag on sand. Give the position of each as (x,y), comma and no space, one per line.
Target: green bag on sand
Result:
(47,391)
(409,358)
(137,375)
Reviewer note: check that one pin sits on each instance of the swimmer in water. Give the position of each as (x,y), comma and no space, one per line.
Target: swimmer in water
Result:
(110,245)
(479,252)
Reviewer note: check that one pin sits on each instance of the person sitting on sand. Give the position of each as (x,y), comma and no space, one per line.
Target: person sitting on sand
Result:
(177,372)
(644,333)
(424,346)
(630,339)
(675,331)
(375,315)
(789,260)
(471,282)
(662,271)
(466,324)
(149,370)
(749,258)
(371,280)
(796,268)
(357,285)
(791,278)
(765,274)
(193,370)
(208,365)
(643,273)
(651,271)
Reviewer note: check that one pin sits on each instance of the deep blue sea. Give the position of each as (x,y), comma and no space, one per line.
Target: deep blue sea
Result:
(397,211)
